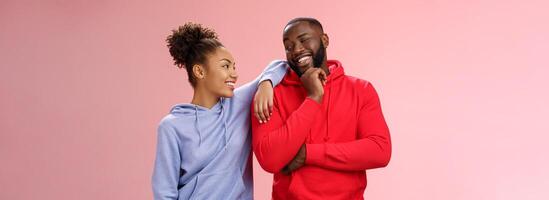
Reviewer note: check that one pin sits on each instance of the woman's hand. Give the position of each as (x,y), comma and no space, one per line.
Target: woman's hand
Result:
(263,101)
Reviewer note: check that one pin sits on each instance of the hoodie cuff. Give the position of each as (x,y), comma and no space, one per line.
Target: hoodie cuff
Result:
(315,154)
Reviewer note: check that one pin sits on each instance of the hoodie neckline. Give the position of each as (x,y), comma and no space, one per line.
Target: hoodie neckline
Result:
(189,108)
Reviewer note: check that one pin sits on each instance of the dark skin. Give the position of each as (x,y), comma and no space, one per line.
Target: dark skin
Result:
(303,39)
(297,162)
(302,42)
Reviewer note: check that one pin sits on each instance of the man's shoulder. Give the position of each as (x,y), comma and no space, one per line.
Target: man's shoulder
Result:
(356,82)
(283,86)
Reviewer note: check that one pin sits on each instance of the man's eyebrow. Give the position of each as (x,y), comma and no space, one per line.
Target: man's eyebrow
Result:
(302,35)
(299,36)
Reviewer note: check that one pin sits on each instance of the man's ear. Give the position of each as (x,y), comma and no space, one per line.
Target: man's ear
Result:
(325,40)
(199,71)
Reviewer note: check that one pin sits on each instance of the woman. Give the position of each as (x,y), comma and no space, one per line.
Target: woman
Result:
(204,149)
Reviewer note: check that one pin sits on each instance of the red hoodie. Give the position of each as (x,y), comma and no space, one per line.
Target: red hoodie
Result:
(344,135)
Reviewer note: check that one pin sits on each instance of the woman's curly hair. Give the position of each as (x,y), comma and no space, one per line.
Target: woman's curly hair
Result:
(190,44)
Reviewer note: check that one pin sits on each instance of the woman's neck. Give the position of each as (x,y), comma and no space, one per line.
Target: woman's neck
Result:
(204,99)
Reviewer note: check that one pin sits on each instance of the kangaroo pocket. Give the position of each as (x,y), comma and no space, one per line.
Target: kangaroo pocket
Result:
(312,182)
(225,184)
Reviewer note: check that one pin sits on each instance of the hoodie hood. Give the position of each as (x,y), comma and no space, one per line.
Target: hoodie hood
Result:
(197,112)
(336,72)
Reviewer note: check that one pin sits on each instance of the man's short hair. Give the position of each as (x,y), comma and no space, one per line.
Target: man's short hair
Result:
(311,21)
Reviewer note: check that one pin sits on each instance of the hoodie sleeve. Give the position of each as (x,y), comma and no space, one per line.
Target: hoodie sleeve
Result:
(167,165)
(275,143)
(371,150)
(274,72)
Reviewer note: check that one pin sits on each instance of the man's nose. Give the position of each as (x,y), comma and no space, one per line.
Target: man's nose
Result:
(298,48)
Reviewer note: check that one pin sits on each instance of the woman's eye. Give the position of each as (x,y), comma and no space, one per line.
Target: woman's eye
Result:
(226,66)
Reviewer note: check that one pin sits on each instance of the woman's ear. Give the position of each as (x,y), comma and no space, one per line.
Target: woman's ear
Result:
(198,71)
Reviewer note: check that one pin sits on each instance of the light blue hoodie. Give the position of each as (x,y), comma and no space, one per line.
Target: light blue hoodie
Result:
(206,153)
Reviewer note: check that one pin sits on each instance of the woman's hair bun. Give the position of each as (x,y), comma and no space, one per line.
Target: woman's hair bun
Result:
(189,44)
(185,41)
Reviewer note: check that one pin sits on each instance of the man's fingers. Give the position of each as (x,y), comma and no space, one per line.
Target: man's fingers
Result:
(286,171)
(322,74)
(308,71)
(312,71)
(290,166)
(293,166)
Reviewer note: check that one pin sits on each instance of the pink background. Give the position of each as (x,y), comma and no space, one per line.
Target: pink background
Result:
(463,85)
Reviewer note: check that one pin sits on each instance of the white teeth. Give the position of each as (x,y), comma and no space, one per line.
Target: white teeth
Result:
(230,83)
(301,60)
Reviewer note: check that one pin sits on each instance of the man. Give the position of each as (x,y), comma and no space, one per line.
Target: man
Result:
(326,128)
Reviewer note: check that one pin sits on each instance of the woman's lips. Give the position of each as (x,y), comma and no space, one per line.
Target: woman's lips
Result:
(230,84)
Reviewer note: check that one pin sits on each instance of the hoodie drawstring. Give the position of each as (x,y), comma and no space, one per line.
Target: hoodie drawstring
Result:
(224,121)
(327,136)
(197,125)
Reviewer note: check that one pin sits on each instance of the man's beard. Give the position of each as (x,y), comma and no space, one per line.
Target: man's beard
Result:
(318,58)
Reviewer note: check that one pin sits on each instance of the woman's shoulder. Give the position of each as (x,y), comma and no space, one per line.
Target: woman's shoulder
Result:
(180,114)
